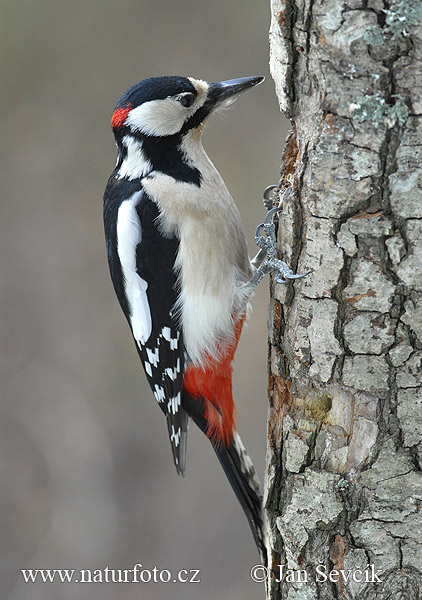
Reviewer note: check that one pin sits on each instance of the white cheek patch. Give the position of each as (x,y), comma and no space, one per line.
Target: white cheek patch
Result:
(167,116)
(158,117)
(129,235)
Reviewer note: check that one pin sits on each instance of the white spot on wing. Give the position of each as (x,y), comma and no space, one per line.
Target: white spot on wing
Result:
(159,393)
(174,342)
(148,368)
(129,235)
(153,357)
(172,373)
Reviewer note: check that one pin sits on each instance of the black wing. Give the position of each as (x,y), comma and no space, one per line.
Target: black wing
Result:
(162,354)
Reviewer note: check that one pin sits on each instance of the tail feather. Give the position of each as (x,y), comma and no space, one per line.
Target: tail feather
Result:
(245,488)
(239,470)
(178,423)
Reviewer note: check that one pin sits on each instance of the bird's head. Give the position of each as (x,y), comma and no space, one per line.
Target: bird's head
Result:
(162,107)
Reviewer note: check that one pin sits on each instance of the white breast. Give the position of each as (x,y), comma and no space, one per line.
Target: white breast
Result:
(212,258)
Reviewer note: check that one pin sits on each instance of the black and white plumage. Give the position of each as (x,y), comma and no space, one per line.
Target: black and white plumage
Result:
(179,264)
(143,254)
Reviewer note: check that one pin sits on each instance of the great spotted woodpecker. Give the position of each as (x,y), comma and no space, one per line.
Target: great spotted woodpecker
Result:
(180,267)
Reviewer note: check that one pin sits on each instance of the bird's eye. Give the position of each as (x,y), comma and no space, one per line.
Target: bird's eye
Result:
(186,99)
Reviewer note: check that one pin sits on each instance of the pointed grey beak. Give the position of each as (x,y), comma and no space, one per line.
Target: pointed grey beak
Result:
(218,93)
(222,90)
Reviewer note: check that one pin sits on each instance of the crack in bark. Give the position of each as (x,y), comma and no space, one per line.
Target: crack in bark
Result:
(308,30)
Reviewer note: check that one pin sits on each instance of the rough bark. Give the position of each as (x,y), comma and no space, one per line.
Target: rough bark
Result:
(343,486)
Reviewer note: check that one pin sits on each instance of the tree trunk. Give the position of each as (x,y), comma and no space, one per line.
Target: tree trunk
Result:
(343,487)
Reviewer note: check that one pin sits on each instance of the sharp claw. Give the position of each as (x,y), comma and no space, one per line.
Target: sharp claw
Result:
(291,276)
(268,202)
(271,213)
(297,275)
(267,222)
(283,272)
(268,190)
(258,231)
(268,227)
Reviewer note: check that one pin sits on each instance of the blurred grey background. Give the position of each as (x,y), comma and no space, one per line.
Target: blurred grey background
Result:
(87,478)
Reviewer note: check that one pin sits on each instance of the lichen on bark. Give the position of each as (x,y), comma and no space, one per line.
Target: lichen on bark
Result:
(343,486)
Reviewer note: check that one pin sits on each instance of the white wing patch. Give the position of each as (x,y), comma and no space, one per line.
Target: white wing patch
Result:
(129,235)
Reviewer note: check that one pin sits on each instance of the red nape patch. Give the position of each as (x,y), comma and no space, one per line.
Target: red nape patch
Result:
(214,384)
(119,116)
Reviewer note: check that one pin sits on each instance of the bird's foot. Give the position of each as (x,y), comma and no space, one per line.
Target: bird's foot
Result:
(267,242)
(268,196)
